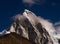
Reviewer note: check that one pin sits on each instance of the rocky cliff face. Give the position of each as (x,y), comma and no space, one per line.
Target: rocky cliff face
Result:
(28,26)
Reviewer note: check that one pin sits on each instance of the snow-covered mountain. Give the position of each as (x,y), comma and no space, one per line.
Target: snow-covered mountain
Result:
(33,28)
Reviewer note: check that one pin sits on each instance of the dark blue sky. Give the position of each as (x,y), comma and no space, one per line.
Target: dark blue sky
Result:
(8,8)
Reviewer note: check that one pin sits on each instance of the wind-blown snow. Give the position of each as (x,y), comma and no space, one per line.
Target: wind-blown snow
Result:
(57,28)
(50,29)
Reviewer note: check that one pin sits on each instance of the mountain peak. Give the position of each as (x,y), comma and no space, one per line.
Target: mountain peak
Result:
(30,27)
(26,10)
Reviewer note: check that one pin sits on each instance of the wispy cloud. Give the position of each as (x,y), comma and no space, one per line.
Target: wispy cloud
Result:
(53,4)
(57,27)
(52,28)
(49,26)
(32,2)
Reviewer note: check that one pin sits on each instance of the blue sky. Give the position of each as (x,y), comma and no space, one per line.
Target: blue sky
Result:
(50,9)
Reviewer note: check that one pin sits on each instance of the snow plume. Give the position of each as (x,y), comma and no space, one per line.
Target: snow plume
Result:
(19,17)
(57,27)
(50,29)
(32,2)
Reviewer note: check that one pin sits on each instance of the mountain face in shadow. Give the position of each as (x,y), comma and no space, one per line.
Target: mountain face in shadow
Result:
(14,38)
(26,29)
